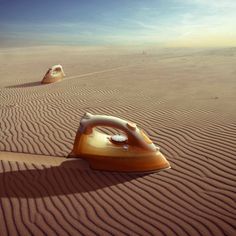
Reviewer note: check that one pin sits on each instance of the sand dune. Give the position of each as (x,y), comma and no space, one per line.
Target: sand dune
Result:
(184,99)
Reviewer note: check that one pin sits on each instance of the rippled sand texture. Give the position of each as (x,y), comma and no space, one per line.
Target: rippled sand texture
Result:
(184,99)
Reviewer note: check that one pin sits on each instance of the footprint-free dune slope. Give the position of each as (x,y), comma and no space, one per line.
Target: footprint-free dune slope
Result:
(183,99)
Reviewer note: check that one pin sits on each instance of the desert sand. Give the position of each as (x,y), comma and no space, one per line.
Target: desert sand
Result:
(185,99)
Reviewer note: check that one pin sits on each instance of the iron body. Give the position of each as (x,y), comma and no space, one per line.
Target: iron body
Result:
(132,152)
(54,74)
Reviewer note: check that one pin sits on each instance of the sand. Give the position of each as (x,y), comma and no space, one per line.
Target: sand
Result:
(183,98)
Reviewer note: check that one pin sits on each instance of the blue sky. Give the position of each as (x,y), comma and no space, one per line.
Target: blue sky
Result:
(120,22)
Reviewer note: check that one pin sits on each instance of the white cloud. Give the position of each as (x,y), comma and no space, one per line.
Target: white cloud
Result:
(212,3)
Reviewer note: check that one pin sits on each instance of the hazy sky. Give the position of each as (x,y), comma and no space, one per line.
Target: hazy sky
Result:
(115,22)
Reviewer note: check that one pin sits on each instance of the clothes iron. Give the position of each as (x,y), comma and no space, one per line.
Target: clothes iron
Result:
(54,74)
(132,152)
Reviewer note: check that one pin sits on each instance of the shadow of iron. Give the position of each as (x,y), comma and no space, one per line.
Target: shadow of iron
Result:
(68,178)
(25,85)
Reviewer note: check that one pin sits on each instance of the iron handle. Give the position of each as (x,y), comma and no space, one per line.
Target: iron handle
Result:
(134,135)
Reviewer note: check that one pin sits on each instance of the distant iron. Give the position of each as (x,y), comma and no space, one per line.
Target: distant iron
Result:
(54,74)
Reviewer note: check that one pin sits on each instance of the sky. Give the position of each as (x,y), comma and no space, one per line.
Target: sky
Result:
(168,23)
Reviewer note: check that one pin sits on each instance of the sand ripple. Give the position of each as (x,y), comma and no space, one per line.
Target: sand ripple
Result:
(184,107)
